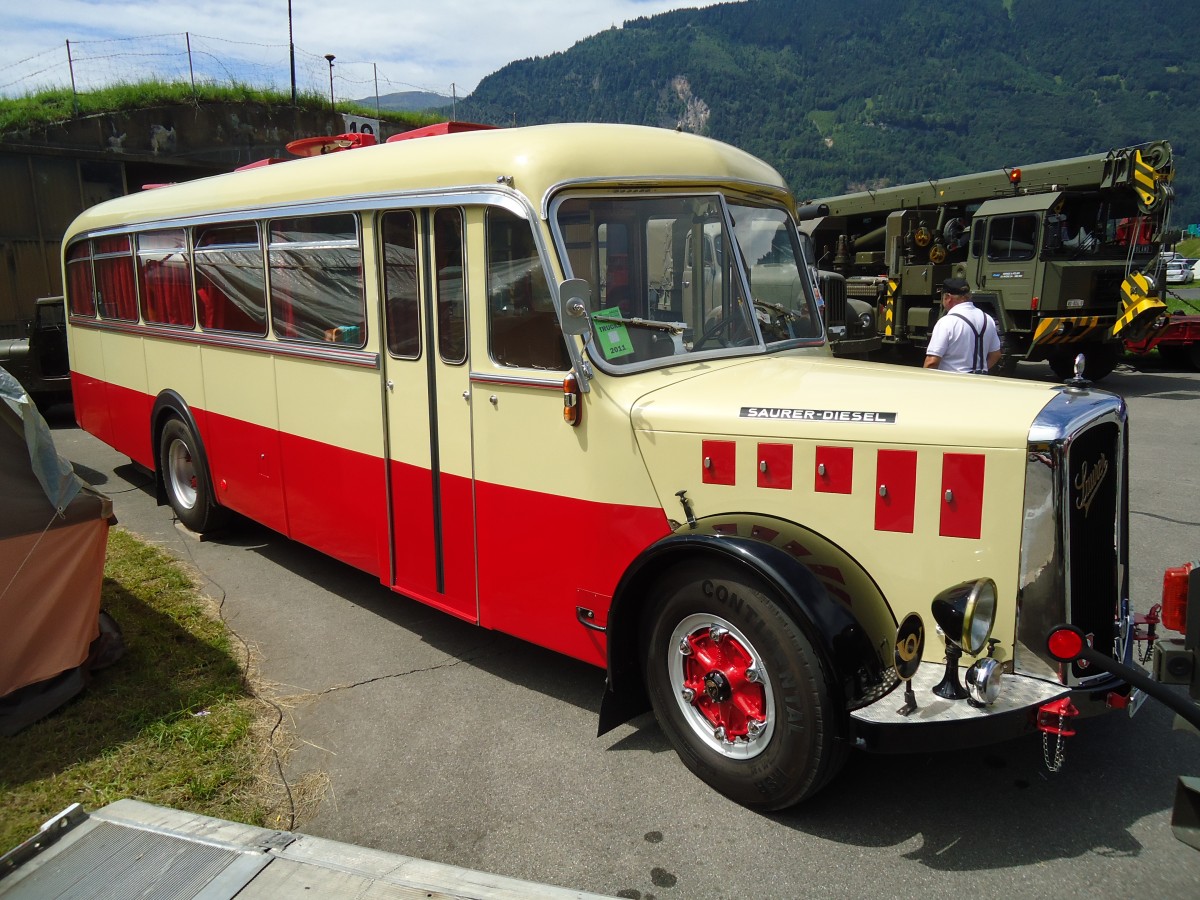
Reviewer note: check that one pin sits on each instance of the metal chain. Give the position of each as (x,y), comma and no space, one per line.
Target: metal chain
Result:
(1059,746)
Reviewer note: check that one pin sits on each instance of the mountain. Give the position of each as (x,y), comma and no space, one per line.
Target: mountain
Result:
(407,101)
(840,96)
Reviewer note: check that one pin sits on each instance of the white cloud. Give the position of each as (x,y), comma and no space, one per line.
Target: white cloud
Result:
(406,44)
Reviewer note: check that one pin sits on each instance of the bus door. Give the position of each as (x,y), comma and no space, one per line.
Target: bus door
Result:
(533,487)
(427,390)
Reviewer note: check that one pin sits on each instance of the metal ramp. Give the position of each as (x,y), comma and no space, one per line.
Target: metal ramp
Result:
(135,849)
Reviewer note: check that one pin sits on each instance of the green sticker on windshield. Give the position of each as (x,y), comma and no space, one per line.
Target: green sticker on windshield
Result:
(613,337)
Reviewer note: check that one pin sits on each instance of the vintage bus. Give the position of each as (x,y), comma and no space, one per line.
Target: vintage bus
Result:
(570,382)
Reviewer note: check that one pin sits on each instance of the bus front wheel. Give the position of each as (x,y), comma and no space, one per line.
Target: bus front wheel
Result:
(186,479)
(739,690)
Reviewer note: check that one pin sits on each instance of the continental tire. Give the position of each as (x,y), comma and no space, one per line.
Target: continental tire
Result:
(738,688)
(186,479)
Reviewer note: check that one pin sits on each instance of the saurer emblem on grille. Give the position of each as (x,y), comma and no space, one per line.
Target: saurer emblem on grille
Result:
(1088,481)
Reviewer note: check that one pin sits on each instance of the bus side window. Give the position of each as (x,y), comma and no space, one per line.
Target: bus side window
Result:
(402,300)
(451,285)
(316,283)
(522,328)
(80,293)
(231,292)
(166,279)
(115,284)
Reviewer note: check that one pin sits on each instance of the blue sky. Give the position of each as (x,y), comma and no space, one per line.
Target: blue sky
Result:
(406,45)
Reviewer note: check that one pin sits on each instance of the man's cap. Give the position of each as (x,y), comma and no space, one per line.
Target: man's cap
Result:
(956,286)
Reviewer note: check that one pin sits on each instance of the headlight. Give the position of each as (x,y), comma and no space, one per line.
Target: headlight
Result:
(966,613)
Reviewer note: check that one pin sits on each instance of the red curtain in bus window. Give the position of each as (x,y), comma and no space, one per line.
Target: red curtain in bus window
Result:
(79,280)
(230,286)
(114,278)
(166,278)
(220,311)
(167,291)
(211,302)
(114,286)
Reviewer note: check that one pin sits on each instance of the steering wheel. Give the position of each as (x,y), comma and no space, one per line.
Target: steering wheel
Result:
(725,322)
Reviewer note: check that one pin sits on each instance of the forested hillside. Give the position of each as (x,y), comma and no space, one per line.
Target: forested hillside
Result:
(847,94)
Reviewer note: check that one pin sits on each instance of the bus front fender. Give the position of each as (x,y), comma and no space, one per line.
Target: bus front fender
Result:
(844,644)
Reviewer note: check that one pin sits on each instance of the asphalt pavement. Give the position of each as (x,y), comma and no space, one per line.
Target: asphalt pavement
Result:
(446,742)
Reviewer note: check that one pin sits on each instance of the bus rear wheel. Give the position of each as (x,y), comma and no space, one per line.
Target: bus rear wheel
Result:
(186,479)
(739,690)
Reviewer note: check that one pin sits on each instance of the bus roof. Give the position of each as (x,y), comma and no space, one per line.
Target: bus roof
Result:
(537,159)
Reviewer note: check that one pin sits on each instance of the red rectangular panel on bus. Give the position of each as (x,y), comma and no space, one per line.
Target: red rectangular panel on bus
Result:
(895,490)
(833,472)
(962,495)
(775,466)
(719,462)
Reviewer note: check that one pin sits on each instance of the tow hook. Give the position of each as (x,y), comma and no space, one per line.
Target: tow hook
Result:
(1052,720)
(1149,621)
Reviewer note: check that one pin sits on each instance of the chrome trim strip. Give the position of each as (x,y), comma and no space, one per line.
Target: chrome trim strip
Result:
(520,381)
(365,359)
(364,203)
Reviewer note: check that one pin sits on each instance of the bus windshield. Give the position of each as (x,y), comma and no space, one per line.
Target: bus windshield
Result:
(679,275)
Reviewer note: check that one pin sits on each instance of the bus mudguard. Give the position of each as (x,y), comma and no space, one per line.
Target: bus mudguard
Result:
(167,404)
(848,647)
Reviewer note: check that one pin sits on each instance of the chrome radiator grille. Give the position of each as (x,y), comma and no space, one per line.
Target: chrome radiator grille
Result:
(1074,543)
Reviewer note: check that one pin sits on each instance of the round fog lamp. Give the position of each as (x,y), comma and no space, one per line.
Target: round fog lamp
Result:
(983,681)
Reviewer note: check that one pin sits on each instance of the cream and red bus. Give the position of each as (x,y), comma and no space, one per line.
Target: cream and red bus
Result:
(570,383)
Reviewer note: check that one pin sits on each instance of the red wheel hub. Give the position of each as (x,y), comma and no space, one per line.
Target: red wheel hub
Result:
(719,672)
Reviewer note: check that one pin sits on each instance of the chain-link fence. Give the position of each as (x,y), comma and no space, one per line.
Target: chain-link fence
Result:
(200,60)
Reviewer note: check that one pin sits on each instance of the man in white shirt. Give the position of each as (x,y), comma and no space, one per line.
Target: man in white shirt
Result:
(965,338)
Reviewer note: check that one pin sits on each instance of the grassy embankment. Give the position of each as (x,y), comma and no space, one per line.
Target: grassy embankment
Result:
(174,722)
(1180,297)
(57,105)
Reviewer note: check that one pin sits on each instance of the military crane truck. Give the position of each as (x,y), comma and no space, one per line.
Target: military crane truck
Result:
(1064,254)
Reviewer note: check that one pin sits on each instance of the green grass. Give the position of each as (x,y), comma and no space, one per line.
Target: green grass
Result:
(1177,303)
(173,722)
(1189,248)
(49,106)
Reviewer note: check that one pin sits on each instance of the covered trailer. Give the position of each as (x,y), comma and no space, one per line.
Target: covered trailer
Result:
(53,538)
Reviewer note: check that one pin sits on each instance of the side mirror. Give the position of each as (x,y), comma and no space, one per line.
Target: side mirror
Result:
(572,304)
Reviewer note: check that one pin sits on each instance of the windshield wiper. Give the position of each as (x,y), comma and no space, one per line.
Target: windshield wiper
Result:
(669,327)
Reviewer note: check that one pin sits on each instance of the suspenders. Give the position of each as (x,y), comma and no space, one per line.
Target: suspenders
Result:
(978,362)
